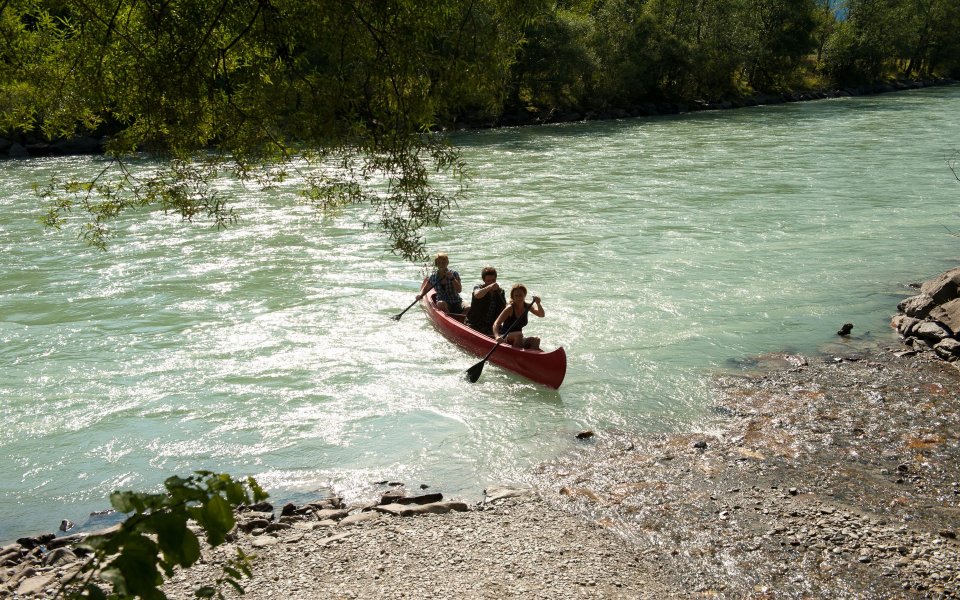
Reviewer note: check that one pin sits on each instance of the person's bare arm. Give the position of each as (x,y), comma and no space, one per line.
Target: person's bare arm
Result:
(537,308)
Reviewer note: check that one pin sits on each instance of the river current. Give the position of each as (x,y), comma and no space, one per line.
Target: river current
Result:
(665,250)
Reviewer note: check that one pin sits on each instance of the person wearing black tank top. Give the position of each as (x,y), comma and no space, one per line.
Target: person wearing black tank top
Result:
(509,325)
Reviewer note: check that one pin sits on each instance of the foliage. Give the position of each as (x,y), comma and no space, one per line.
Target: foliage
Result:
(350,90)
(555,63)
(156,538)
(898,37)
(622,43)
(345,98)
(781,38)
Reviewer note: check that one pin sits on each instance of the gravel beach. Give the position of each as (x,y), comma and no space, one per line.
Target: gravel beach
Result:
(835,476)
(512,548)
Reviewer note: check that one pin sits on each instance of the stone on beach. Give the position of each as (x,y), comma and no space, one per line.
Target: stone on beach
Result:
(917,307)
(498,492)
(408,510)
(948,349)
(948,314)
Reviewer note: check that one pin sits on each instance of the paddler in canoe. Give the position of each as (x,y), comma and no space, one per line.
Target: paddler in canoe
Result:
(487,302)
(447,283)
(509,325)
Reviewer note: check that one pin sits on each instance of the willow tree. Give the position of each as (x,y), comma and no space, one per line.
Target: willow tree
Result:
(347,92)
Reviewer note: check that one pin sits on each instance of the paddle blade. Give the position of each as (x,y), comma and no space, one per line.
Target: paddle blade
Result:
(473,373)
(397,317)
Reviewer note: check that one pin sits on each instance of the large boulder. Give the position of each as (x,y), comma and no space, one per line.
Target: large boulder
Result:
(928,330)
(79,145)
(948,314)
(948,349)
(18,151)
(917,306)
(944,287)
(904,324)
(931,319)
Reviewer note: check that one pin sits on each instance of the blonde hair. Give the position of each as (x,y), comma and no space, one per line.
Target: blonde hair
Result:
(518,286)
(440,256)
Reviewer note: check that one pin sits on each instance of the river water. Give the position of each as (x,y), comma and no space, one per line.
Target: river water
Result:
(665,250)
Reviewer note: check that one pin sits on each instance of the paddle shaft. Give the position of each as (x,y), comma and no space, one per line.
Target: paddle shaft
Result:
(397,317)
(473,373)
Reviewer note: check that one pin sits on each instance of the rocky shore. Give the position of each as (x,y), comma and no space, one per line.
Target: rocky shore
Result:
(829,476)
(834,477)
(930,321)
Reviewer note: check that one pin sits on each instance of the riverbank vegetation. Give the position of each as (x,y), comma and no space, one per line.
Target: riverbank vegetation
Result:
(261,87)
(592,55)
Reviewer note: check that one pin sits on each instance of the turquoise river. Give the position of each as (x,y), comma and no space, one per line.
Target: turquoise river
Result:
(666,250)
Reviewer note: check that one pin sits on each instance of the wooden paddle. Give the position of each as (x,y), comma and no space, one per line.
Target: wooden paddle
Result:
(473,373)
(397,317)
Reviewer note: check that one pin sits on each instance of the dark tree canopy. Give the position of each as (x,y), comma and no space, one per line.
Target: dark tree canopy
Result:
(347,95)
(259,87)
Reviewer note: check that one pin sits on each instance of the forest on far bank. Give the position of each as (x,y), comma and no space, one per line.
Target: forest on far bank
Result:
(65,64)
(254,86)
(594,54)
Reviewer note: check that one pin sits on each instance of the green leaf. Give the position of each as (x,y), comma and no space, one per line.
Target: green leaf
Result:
(216,518)
(237,587)
(236,494)
(258,494)
(206,591)
(137,566)
(93,592)
(178,544)
(123,501)
(221,520)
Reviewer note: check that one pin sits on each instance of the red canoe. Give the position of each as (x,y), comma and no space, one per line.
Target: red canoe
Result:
(547,368)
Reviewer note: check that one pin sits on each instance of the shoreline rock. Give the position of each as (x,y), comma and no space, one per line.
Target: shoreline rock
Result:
(930,321)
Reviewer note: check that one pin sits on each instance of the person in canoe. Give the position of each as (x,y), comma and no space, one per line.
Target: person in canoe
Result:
(516,312)
(487,303)
(447,284)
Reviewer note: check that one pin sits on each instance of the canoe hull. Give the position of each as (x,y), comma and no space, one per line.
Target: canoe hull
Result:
(546,368)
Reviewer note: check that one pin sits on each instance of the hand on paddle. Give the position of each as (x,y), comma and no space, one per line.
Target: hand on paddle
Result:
(473,373)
